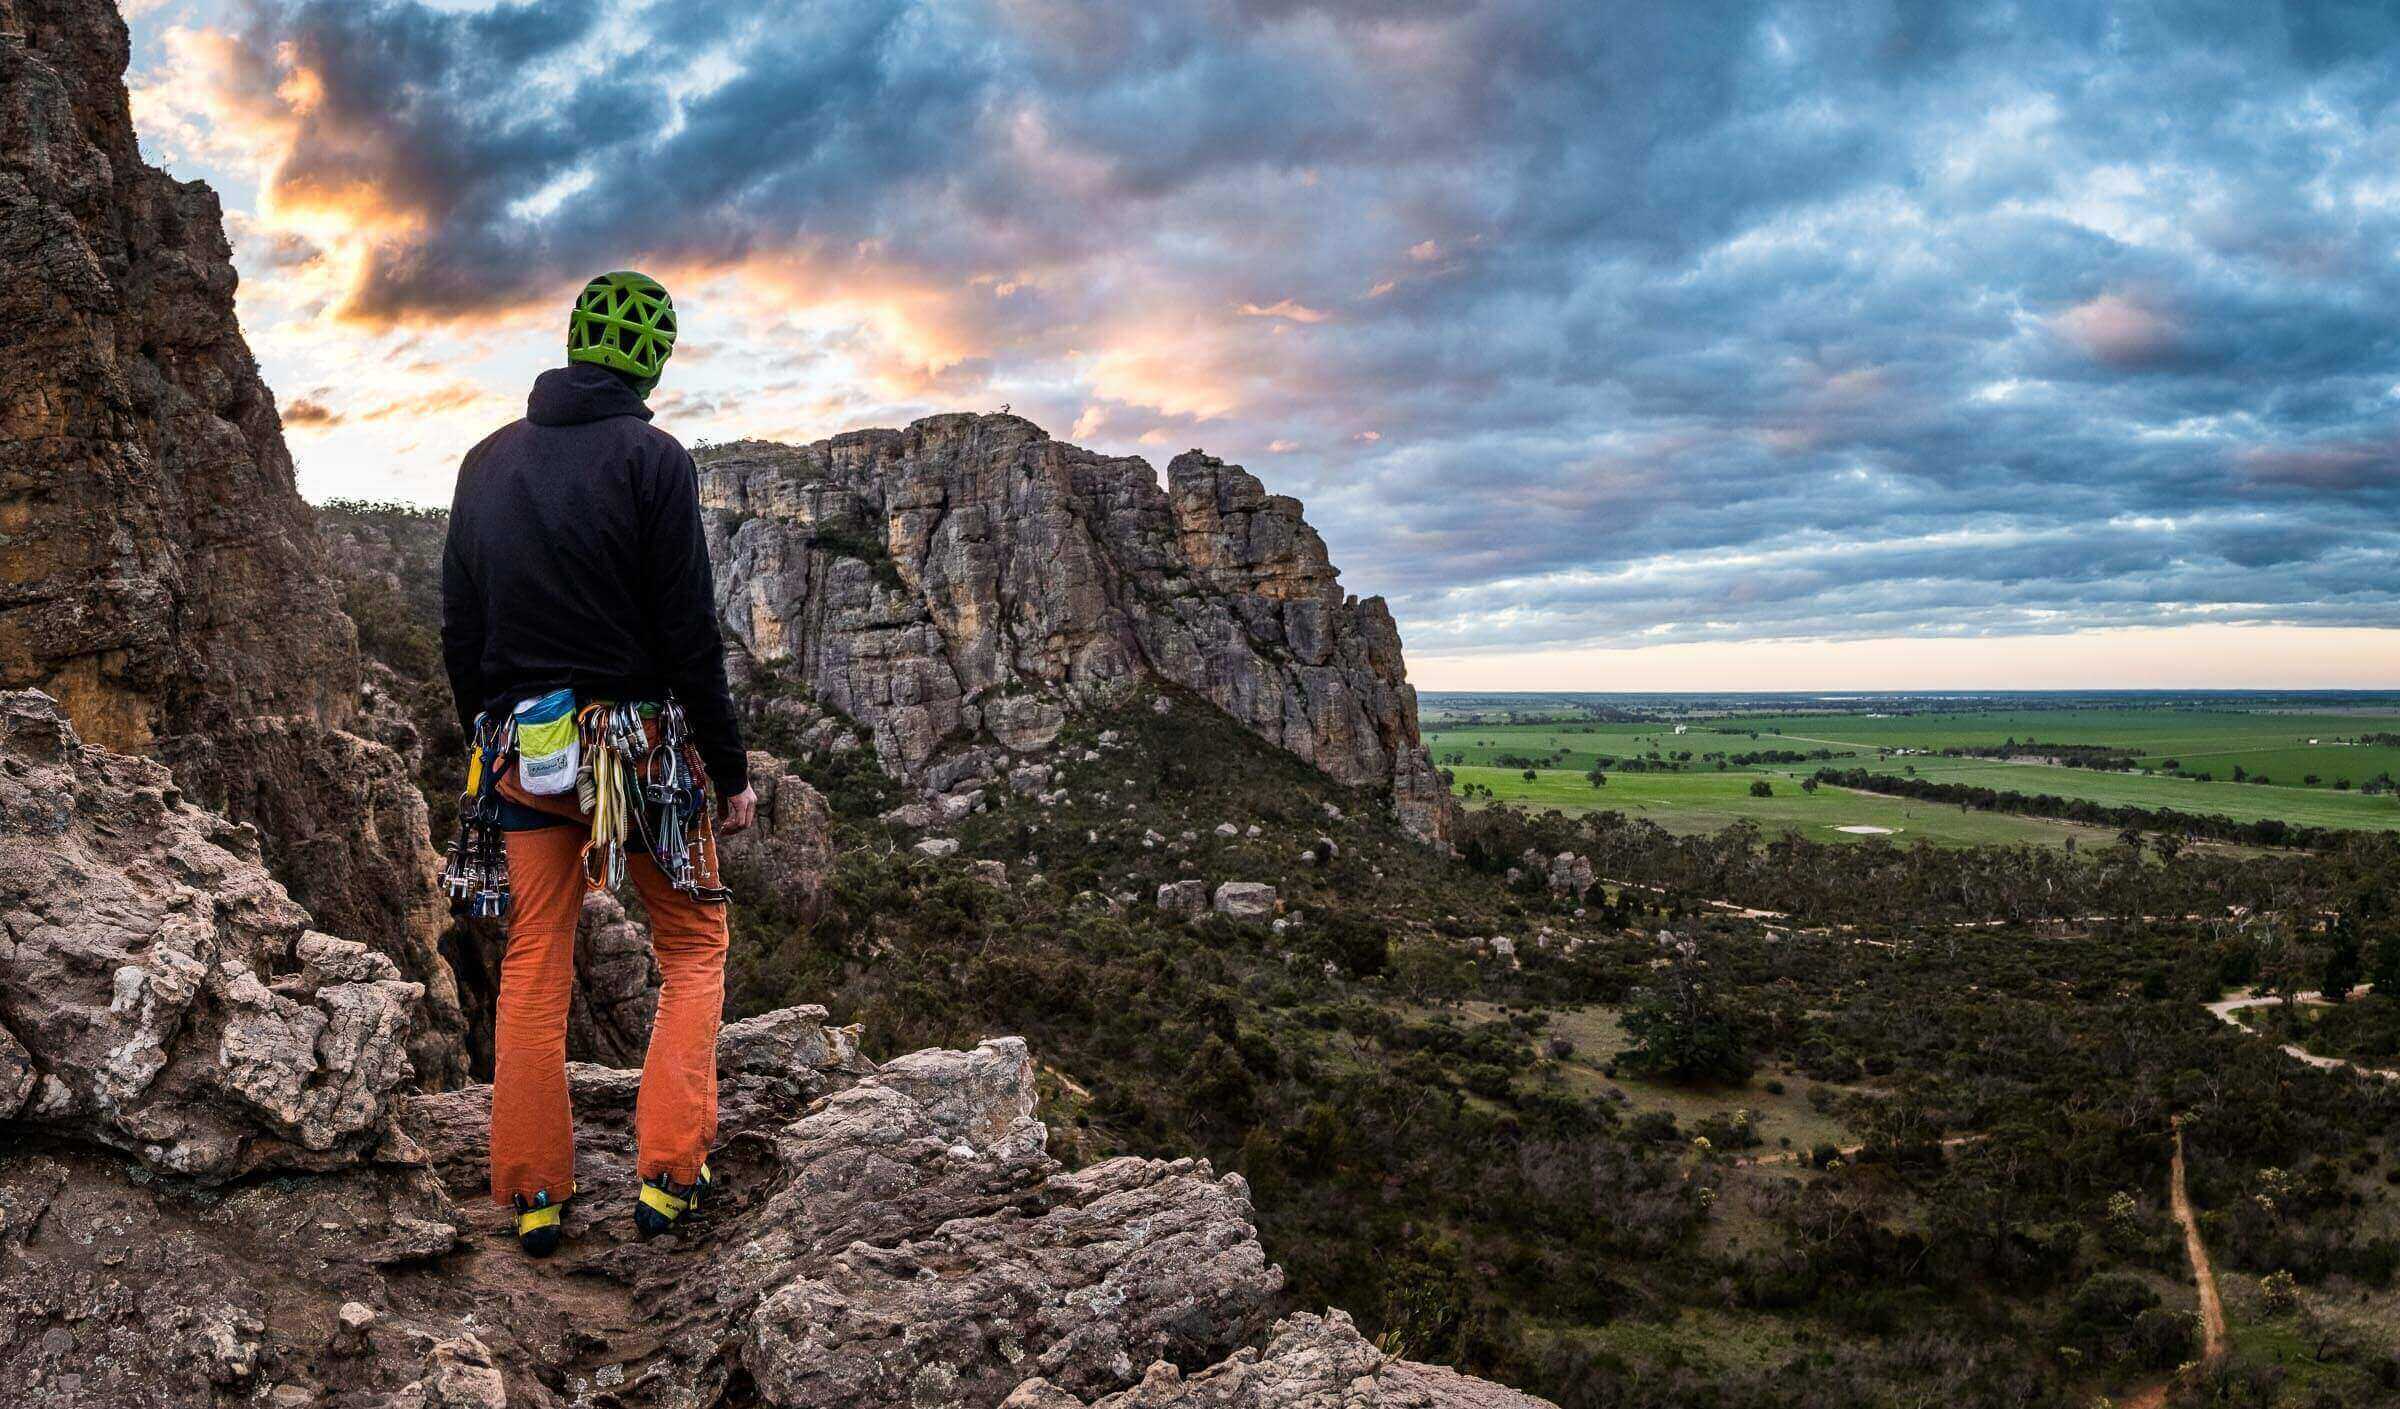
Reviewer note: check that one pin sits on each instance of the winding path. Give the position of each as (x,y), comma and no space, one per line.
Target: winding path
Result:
(2241,998)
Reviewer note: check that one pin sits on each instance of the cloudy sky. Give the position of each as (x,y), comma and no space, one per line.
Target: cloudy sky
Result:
(1621,345)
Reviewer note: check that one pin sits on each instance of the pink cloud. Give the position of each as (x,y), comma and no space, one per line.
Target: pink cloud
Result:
(1284,308)
(2119,331)
(2339,465)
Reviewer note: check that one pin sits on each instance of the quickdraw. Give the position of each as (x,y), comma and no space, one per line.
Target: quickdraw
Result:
(475,872)
(643,793)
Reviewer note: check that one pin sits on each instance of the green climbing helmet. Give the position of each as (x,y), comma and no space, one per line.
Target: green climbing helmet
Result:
(624,320)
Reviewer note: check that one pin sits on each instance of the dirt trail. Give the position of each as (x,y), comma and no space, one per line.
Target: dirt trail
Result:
(2204,1277)
(2241,998)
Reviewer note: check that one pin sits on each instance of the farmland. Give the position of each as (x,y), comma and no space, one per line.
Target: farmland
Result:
(2314,768)
(1686,803)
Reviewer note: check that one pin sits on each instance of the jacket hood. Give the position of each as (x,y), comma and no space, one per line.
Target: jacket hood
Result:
(581,392)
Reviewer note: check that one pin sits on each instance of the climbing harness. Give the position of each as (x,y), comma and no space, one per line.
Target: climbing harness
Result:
(540,1223)
(662,1202)
(637,777)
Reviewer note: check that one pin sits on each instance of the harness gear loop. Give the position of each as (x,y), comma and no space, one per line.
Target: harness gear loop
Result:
(475,869)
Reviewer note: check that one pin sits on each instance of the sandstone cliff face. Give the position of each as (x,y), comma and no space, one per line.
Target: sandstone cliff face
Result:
(162,578)
(887,1236)
(959,585)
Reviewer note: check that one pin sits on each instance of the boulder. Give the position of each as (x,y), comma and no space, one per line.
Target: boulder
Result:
(1309,1362)
(1246,900)
(1183,897)
(616,985)
(938,846)
(789,850)
(163,995)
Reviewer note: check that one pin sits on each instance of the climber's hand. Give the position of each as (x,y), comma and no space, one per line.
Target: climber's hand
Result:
(736,813)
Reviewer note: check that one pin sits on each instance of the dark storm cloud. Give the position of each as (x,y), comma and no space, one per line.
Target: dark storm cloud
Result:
(1666,321)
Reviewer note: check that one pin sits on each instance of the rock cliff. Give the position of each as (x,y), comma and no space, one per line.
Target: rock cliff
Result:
(959,585)
(893,1235)
(163,579)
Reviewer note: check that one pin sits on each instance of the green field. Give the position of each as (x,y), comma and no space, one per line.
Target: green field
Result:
(2210,741)
(1685,803)
(2244,802)
(1711,790)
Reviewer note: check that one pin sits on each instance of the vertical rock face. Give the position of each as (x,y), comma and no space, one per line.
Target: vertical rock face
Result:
(162,578)
(960,584)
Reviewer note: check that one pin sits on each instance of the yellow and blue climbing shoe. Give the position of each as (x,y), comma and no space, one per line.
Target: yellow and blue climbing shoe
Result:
(663,1202)
(540,1224)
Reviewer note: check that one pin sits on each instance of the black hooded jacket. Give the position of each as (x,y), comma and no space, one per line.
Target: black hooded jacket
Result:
(576,559)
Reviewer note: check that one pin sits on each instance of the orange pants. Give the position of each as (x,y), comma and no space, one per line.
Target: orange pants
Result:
(675,1119)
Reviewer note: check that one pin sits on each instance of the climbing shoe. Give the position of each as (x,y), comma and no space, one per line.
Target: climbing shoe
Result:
(540,1224)
(663,1202)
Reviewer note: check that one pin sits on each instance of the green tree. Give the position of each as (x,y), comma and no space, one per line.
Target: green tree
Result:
(1680,1028)
(2343,962)
(2384,972)
(1762,788)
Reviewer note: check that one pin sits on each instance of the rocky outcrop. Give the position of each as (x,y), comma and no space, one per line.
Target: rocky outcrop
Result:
(616,985)
(163,580)
(159,992)
(162,575)
(788,850)
(1309,1362)
(885,1236)
(959,586)
(893,1236)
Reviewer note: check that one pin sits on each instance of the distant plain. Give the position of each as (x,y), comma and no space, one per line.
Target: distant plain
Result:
(2294,758)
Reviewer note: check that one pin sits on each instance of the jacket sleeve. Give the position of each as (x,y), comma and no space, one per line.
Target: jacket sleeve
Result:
(684,594)
(462,632)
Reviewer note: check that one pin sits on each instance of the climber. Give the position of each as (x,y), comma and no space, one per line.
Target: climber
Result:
(579,629)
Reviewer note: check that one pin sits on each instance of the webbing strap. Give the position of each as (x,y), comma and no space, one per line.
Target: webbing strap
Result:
(663,1201)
